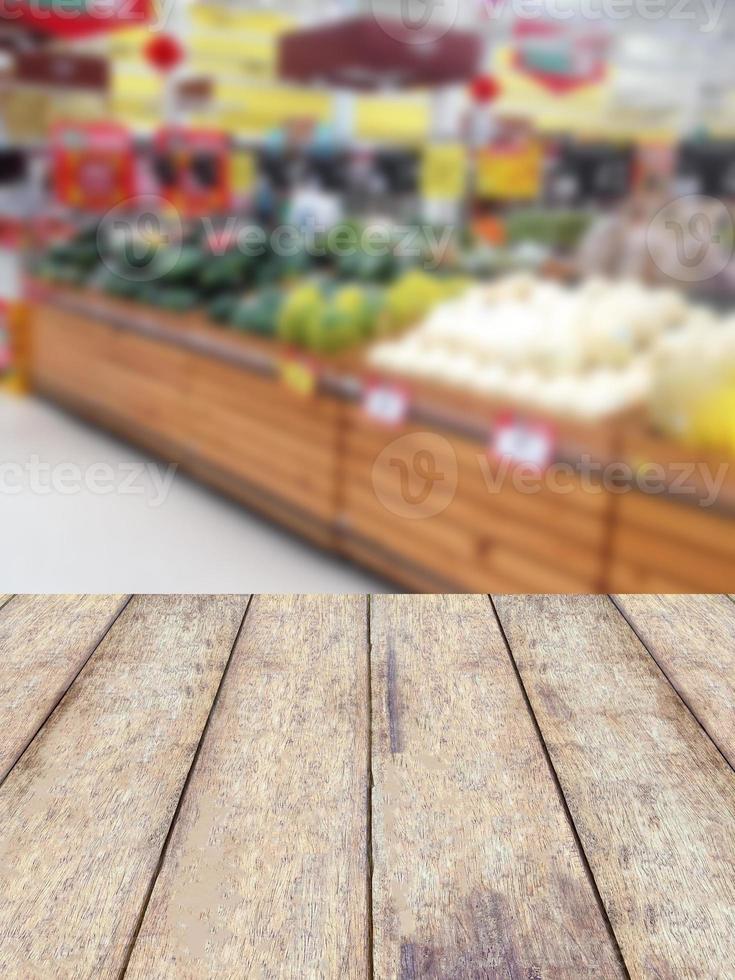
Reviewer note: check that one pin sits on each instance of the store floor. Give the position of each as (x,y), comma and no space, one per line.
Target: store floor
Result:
(354,787)
(83,512)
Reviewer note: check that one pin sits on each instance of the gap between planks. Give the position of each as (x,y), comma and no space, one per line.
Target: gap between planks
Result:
(560,792)
(649,648)
(653,799)
(177,811)
(370,789)
(65,691)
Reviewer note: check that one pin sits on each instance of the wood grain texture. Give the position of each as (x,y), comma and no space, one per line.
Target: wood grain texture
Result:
(477,873)
(652,799)
(5,597)
(44,643)
(86,811)
(692,638)
(267,871)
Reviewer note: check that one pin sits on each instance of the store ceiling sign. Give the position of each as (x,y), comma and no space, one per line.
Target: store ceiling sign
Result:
(93,165)
(561,55)
(59,70)
(372,52)
(74,18)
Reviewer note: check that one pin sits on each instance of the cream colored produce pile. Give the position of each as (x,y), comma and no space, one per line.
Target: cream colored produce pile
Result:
(587,350)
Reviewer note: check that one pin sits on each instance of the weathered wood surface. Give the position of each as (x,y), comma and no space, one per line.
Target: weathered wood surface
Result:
(652,799)
(44,643)
(190,810)
(85,812)
(692,638)
(5,597)
(267,871)
(476,869)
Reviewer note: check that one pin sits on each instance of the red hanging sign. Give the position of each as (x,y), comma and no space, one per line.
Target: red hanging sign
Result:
(93,165)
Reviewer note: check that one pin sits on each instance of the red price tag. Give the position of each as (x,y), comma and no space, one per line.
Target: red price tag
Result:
(523,440)
(385,403)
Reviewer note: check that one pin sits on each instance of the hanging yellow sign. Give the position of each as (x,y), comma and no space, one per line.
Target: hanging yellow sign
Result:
(444,172)
(510,172)
(243,171)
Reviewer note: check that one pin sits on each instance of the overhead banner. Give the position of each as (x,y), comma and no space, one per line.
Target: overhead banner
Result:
(62,70)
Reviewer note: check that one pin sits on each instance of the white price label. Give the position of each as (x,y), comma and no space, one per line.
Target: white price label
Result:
(523,441)
(387,404)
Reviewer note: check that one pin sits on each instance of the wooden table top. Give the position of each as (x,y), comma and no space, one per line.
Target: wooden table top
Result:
(388,787)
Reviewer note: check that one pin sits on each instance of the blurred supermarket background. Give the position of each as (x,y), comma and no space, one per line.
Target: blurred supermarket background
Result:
(439,296)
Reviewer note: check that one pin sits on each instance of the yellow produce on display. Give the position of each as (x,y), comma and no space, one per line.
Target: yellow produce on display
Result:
(713,420)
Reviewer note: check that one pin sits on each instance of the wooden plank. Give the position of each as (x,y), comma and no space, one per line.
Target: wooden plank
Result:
(423,546)
(86,811)
(44,643)
(267,870)
(692,639)
(686,522)
(476,869)
(652,798)
(705,570)
(5,598)
(456,550)
(623,577)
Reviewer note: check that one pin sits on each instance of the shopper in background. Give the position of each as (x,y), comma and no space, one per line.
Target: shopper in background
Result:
(638,240)
(617,243)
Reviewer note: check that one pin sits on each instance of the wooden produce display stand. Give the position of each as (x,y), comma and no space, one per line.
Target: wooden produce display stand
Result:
(427,503)
(678,540)
(418,494)
(213,402)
